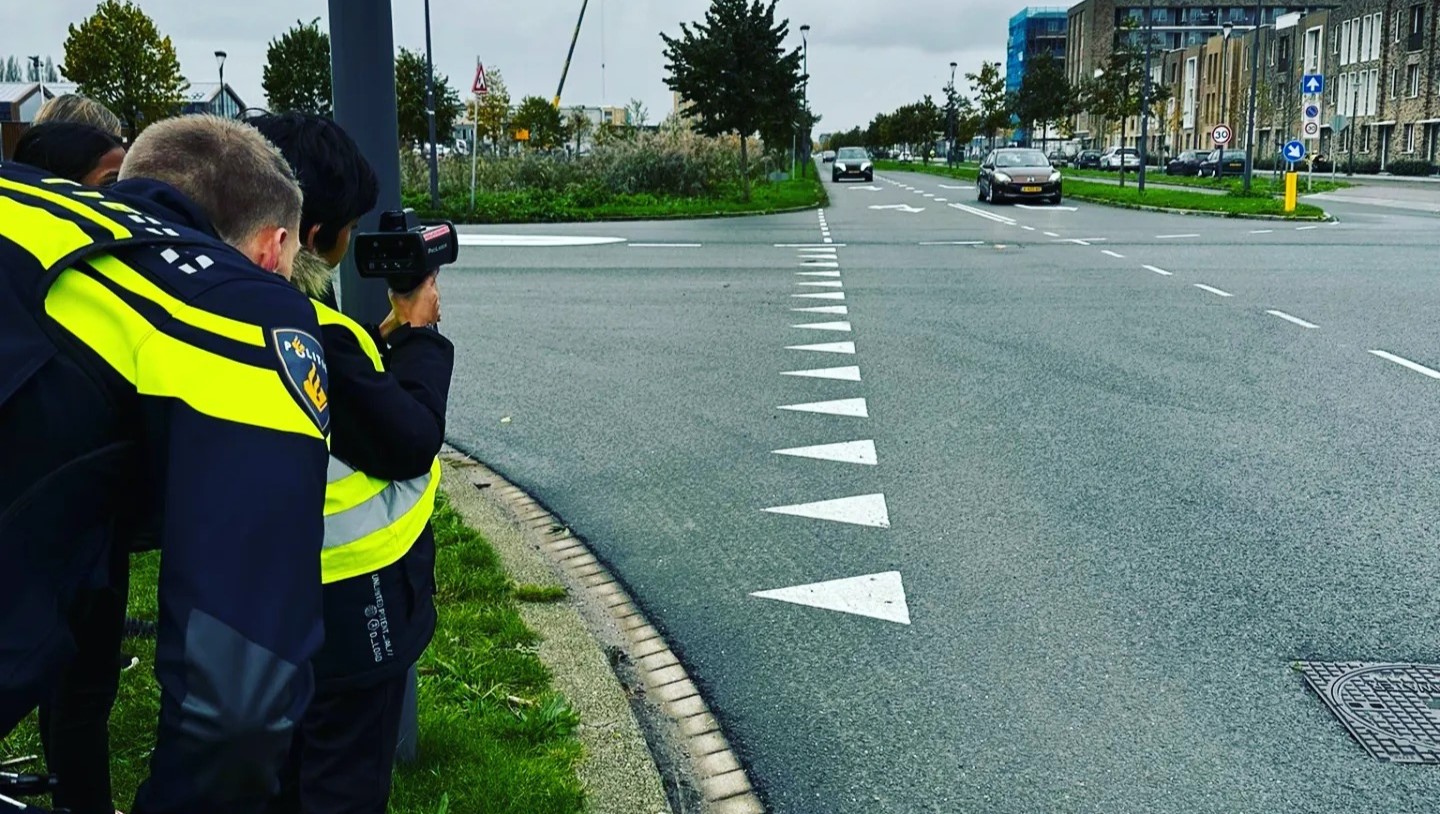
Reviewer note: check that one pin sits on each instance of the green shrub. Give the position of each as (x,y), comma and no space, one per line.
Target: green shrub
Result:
(1410,167)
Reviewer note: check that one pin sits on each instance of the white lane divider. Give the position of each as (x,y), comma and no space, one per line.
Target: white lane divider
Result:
(1051,234)
(1263,232)
(535,241)
(982,213)
(849,408)
(843,327)
(822,283)
(947,186)
(845,373)
(1305,228)
(1027,228)
(1116,255)
(664,245)
(826,347)
(1173,237)
(823,295)
(952,243)
(809,246)
(817,274)
(877,596)
(838,310)
(847,452)
(1403,362)
(1217,292)
(818,264)
(1157,270)
(860,510)
(1288,318)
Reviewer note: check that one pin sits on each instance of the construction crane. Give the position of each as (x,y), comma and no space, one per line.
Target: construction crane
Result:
(566,72)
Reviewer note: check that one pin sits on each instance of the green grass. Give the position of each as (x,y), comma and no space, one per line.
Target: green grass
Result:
(1128,197)
(494,738)
(539,593)
(534,206)
(1261,181)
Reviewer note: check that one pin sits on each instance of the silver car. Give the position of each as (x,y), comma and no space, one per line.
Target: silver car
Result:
(852,162)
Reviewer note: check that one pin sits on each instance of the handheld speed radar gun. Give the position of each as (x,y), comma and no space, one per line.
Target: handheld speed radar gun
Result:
(404,250)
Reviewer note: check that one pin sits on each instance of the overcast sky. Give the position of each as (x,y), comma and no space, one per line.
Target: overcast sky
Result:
(866,56)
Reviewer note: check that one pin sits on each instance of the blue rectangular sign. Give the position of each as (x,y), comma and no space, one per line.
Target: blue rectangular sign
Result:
(1312,83)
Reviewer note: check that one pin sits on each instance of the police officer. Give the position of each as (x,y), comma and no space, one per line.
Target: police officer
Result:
(155,369)
(388,388)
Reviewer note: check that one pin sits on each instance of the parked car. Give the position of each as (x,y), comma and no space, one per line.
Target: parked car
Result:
(1234,164)
(1058,158)
(1112,158)
(827,157)
(906,157)
(1087,160)
(852,162)
(1187,163)
(1016,174)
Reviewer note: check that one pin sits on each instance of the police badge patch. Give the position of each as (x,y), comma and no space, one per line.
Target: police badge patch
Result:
(303,361)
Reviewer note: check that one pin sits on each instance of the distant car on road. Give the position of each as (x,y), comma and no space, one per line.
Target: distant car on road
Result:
(1015,174)
(827,157)
(1234,164)
(1058,158)
(1115,156)
(852,162)
(1087,160)
(1187,163)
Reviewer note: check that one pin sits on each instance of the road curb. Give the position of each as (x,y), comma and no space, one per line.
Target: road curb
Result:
(702,771)
(1196,212)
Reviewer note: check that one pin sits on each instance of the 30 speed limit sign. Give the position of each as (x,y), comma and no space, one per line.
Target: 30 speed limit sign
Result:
(1221,135)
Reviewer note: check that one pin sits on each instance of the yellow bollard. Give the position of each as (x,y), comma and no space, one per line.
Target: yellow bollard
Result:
(1292,180)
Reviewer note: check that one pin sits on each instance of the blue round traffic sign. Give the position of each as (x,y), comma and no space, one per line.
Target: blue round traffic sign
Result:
(1312,111)
(1293,150)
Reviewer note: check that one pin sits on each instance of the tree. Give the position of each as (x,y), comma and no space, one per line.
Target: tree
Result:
(493,113)
(119,59)
(546,128)
(989,88)
(1045,96)
(410,100)
(637,115)
(297,70)
(733,71)
(50,74)
(12,70)
(579,125)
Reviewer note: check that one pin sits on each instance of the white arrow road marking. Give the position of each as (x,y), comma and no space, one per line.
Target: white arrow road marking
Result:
(825,326)
(851,408)
(823,295)
(982,213)
(848,373)
(817,274)
(1400,360)
(824,284)
(824,309)
(827,347)
(536,241)
(861,510)
(878,596)
(902,207)
(848,452)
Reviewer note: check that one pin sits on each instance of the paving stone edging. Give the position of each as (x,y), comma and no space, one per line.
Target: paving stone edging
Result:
(1323,218)
(682,733)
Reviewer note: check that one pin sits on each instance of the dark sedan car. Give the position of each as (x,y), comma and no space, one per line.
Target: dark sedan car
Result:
(1187,163)
(1016,174)
(1088,160)
(1234,163)
(852,162)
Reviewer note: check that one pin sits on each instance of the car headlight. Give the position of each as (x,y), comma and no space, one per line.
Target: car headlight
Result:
(865,166)
(1054,177)
(1002,178)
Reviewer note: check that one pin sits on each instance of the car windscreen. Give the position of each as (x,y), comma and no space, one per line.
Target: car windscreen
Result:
(1027,158)
(852,152)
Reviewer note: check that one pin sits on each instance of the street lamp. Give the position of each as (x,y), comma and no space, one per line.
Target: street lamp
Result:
(39,77)
(1226,30)
(1144,103)
(805,95)
(220,60)
(430,112)
(1250,119)
(950,118)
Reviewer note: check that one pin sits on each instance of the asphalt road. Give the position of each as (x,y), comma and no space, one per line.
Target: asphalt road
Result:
(1120,504)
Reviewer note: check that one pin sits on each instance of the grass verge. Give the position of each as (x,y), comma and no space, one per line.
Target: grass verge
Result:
(535,206)
(494,738)
(1231,205)
(1261,181)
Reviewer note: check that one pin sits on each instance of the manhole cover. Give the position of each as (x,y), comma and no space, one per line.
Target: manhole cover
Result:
(1393,710)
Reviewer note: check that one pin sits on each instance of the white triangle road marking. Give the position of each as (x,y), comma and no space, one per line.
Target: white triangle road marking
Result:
(826,347)
(818,264)
(847,452)
(849,373)
(861,510)
(825,326)
(825,284)
(823,295)
(878,596)
(824,309)
(817,273)
(851,408)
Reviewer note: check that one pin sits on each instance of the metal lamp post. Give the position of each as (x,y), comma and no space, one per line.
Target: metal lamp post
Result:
(1144,102)
(1250,118)
(805,96)
(39,75)
(1226,29)
(950,118)
(220,60)
(430,112)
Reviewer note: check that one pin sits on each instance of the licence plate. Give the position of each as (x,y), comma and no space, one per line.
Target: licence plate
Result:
(1029,189)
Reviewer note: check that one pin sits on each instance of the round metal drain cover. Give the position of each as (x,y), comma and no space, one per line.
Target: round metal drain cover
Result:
(1393,710)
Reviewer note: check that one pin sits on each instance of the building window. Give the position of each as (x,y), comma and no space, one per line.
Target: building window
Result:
(1397,26)
(1417,21)
(1345,43)
(1412,80)
(1409,138)
(1394,82)
(1375,41)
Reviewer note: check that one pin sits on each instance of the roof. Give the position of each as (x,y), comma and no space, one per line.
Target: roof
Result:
(202,91)
(16,91)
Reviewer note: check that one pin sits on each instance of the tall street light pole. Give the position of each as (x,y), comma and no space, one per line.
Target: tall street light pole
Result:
(39,75)
(430,112)
(220,60)
(1145,100)
(950,115)
(805,96)
(1224,100)
(1250,119)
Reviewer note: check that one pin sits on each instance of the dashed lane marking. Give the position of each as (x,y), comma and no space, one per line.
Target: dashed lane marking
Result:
(1157,270)
(1116,255)
(1288,318)
(1173,237)
(1213,290)
(1403,362)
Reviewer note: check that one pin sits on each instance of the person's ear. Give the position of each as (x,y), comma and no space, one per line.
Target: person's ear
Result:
(312,237)
(269,249)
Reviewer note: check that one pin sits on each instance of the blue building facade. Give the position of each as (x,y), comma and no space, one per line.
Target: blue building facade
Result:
(1033,31)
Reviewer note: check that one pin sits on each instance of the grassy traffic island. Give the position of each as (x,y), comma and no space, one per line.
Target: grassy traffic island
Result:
(1232,204)
(494,736)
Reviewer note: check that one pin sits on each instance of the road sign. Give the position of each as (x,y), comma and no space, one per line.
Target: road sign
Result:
(1310,120)
(480,88)
(1312,130)
(1313,83)
(1312,111)
(1221,135)
(1294,150)
(1338,123)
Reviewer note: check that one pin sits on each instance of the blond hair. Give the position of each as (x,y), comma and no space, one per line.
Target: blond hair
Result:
(72,107)
(237,177)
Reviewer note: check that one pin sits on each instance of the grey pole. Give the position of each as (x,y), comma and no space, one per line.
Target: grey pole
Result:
(805,99)
(220,58)
(430,112)
(1224,97)
(1250,119)
(362,60)
(1145,101)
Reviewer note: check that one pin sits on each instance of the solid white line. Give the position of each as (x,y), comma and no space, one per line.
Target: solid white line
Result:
(817,274)
(1400,360)
(665,245)
(1217,292)
(807,245)
(534,241)
(1172,237)
(1113,254)
(941,200)
(953,243)
(1157,270)
(1298,321)
(1263,232)
(818,264)
(824,284)
(823,295)
(1305,228)
(1051,234)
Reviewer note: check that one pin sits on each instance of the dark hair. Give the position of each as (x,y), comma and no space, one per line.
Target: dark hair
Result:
(67,149)
(338,183)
